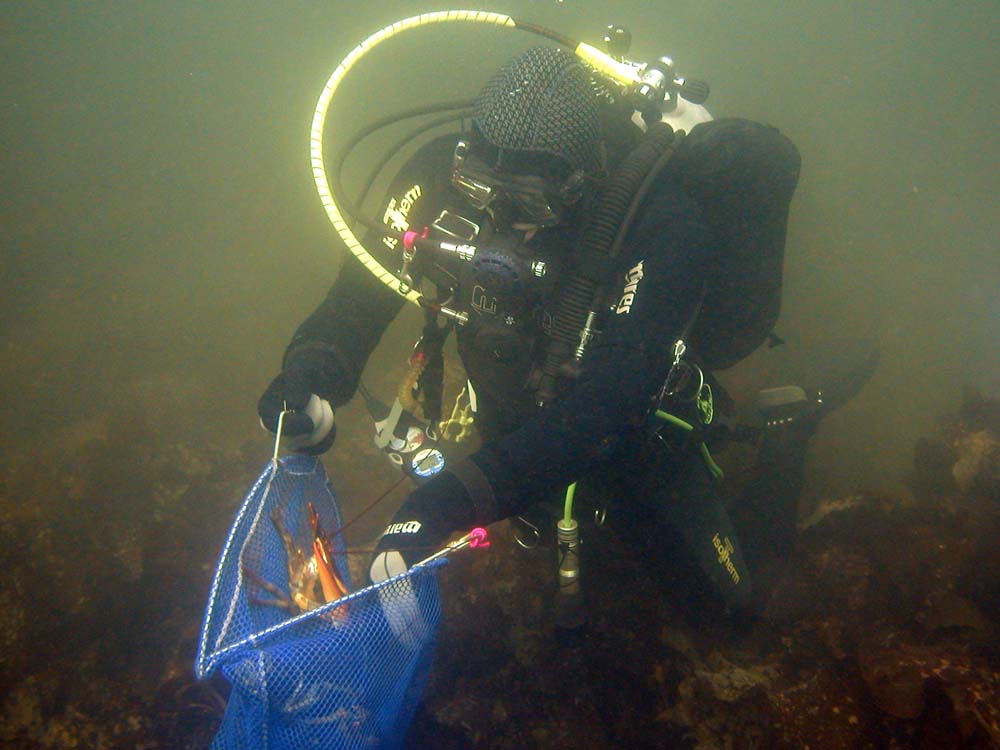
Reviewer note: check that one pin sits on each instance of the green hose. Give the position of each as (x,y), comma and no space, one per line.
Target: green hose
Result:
(568,508)
(714,469)
(676,421)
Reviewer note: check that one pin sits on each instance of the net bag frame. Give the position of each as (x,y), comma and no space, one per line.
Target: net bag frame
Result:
(346,674)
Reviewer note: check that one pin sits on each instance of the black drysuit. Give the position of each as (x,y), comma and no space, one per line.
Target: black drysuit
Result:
(599,424)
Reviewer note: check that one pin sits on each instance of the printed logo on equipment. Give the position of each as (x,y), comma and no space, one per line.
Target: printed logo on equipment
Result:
(482,301)
(397,214)
(409,527)
(725,549)
(632,279)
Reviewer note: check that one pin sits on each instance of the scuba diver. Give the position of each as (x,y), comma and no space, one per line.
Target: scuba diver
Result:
(596,265)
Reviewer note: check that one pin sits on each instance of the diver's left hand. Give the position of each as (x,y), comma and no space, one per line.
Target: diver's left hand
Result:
(421,526)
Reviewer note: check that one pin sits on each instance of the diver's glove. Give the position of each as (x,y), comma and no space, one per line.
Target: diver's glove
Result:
(421,526)
(311,379)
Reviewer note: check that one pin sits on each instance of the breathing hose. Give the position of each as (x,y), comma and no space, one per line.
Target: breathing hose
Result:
(454,111)
(601,238)
(398,146)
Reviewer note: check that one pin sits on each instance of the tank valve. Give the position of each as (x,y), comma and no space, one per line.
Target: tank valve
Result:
(617,40)
(694,90)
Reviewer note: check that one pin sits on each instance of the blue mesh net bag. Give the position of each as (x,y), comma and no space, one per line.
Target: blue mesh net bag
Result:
(347,673)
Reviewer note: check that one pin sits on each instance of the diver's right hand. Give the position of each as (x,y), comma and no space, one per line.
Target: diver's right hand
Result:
(299,390)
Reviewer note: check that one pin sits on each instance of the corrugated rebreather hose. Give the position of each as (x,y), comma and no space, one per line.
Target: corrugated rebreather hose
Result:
(579,292)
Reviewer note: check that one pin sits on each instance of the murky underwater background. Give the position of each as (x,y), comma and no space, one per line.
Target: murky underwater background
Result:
(161,239)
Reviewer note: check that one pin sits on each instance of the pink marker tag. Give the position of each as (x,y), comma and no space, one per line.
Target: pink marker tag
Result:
(409,238)
(478,538)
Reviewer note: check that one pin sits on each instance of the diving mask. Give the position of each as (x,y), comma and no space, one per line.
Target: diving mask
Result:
(529,199)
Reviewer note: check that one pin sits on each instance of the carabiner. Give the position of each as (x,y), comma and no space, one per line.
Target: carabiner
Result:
(532,529)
